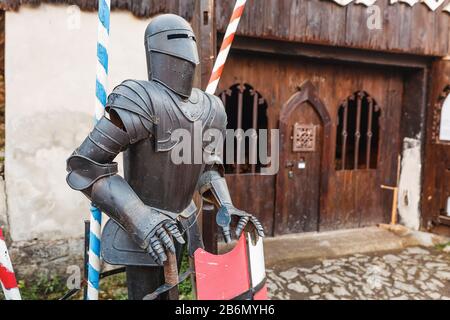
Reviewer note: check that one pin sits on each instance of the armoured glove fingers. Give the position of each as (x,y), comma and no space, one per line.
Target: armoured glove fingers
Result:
(226,234)
(159,230)
(162,241)
(244,219)
(223,220)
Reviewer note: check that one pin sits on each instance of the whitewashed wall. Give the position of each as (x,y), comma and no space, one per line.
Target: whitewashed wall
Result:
(410,187)
(50,82)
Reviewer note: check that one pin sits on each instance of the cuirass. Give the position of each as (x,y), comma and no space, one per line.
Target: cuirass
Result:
(148,166)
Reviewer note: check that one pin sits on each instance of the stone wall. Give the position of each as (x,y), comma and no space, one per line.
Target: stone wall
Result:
(50,85)
(2,84)
(3,216)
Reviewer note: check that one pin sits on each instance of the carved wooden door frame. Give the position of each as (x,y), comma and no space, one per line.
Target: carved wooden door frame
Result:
(307,93)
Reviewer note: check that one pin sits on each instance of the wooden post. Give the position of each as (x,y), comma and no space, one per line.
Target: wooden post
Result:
(171,275)
(395,195)
(209,228)
(208,46)
(205,29)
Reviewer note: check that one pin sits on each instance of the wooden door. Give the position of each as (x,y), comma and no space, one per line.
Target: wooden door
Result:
(340,198)
(304,126)
(436,184)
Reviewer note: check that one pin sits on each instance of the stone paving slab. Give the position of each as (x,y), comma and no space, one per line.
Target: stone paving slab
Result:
(411,273)
(318,245)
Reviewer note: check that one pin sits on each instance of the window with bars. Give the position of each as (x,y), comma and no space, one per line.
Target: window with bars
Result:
(444,128)
(358,133)
(441,118)
(246,109)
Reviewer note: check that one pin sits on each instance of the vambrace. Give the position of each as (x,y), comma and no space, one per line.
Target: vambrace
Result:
(114,196)
(213,188)
(212,185)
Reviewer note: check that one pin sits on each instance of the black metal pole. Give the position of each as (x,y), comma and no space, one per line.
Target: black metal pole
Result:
(87,228)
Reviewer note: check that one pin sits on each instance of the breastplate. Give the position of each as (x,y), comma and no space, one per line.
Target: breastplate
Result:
(149,168)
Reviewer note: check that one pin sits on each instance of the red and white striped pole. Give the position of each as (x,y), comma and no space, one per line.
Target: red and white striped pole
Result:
(226,46)
(7,276)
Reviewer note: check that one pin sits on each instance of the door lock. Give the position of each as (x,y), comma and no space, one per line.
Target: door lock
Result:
(301,164)
(289,164)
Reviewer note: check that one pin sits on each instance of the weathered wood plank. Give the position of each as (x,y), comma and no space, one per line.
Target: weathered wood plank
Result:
(422,27)
(243,186)
(405,20)
(406,29)
(315,17)
(436,175)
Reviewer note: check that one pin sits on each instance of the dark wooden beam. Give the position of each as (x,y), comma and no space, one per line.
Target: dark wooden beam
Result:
(340,54)
(205,29)
(414,104)
(210,229)
(207,39)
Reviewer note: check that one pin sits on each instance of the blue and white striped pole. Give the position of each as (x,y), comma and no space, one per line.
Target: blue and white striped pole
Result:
(94,266)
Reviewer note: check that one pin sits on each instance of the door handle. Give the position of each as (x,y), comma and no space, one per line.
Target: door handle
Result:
(289,164)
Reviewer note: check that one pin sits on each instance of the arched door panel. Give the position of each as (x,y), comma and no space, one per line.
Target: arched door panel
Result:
(304,127)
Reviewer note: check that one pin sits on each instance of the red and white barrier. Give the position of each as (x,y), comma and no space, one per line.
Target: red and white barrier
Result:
(7,276)
(239,274)
(226,46)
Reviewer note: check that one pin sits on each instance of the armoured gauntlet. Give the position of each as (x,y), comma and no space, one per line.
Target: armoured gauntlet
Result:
(92,171)
(151,228)
(213,188)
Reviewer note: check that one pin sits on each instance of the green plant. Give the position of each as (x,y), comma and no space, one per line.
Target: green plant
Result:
(442,246)
(114,288)
(185,287)
(42,288)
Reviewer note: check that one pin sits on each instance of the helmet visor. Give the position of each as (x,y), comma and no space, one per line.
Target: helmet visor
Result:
(178,43)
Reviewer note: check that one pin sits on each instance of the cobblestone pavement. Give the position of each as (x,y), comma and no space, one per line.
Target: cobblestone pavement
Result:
(414,273)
